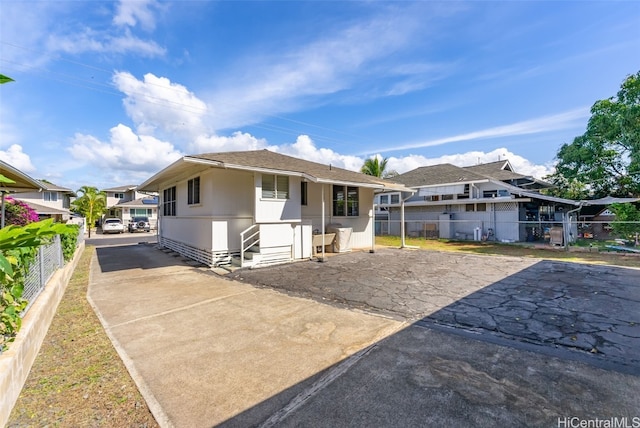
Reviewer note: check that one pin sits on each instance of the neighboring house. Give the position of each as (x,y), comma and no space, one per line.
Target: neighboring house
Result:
(595,222)
(21,183)
(52,201)
(126,202)
(488,202)
(260,206)
(143,207)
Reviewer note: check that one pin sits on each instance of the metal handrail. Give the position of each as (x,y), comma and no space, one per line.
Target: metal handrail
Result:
(244,240)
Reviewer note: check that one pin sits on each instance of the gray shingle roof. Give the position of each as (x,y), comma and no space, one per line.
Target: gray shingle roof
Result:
(265,159)
(120,188)
(438,174)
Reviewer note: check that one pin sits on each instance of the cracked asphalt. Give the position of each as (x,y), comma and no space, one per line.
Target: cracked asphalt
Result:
(586,312)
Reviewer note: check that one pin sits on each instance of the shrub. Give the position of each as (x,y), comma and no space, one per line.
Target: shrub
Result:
(69,241)
(18,248)
(19,213)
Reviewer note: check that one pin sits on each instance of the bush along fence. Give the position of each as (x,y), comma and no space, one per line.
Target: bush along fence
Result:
(29,255)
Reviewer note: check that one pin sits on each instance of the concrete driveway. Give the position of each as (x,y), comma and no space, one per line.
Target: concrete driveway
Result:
(396,338)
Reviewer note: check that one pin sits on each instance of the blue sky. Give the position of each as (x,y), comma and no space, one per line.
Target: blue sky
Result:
(108,93)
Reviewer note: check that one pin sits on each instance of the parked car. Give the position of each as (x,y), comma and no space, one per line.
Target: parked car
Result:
(112,225)
(139,224)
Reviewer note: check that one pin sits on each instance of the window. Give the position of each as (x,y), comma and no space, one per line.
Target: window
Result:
(489,193)
(193,191)
(481,207)
(470,207)
(118,195)
(50,196)
(303,193)
(141,212)
(447,197)
(345,201)
(169,201)
(395,199)
(384,199)
(465,193)
(275,186)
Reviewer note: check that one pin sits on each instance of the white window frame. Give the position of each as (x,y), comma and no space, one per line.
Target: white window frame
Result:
(169,202)
(279,190)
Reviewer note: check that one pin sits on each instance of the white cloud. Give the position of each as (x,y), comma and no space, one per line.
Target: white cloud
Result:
(341,59)
(564,120)
(157,103)
(25,29)
(132,12)
(124,151)
(519,164)
(304,148)
(238,141)
(89,40)
(15,157)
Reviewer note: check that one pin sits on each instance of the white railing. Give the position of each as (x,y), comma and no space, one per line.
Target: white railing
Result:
(249,237)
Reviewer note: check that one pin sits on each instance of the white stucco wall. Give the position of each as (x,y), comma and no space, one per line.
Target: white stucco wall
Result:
(278,210)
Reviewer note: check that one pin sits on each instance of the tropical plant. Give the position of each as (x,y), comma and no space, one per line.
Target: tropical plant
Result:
(91,205)
(18,247)
(375,166)
(5,79)
(19,213)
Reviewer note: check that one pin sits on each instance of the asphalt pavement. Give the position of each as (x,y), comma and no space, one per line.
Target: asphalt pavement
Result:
(395,338)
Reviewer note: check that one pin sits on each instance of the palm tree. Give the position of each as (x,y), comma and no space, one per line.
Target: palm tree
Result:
(91,204)
(374,166)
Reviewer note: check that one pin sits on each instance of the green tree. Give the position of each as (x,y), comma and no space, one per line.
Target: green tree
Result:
(375,166)
(607,156)
(627,223)
(91,205)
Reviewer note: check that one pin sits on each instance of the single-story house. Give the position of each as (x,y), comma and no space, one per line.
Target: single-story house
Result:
(482,202)
(262,207)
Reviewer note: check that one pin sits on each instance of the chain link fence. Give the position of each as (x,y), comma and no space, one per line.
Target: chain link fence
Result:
(48,260)
(550,232)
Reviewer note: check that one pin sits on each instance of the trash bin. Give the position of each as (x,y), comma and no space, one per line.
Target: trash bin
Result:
(342,242)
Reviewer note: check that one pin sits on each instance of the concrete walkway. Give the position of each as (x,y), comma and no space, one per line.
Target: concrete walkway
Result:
(207,351)
(203,349)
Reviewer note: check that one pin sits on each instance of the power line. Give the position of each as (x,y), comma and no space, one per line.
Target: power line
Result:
(143,97)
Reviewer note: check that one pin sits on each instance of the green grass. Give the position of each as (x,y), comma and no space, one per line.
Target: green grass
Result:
(516,250)
(78,378)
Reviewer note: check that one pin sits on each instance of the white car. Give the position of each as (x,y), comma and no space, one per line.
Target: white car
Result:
(112,225)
